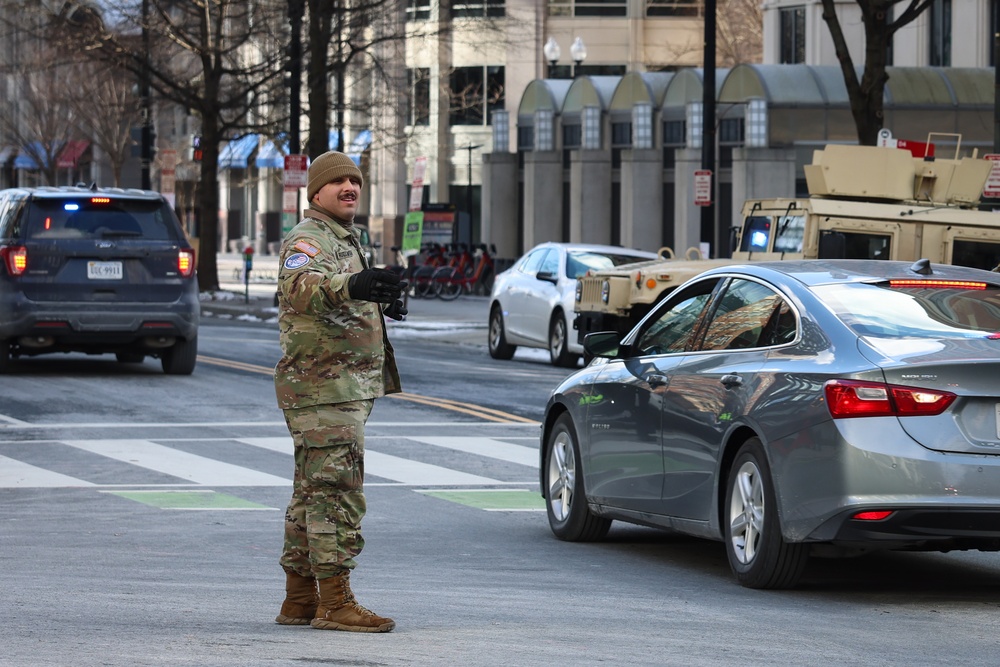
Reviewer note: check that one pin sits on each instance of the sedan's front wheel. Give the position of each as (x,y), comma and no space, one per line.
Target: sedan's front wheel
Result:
(758,554)
(566,503)
(559,341)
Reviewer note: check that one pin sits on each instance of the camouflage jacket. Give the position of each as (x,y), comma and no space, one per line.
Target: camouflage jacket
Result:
(334,348)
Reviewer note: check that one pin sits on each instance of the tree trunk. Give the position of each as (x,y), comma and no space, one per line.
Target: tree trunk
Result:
(320,14)
(208,205)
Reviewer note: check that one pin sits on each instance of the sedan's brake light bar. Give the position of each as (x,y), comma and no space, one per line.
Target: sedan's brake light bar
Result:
(954,284)
(854,398)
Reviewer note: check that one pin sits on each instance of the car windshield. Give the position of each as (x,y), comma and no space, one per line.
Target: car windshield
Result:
(99,217)
(578,263)
(916,308)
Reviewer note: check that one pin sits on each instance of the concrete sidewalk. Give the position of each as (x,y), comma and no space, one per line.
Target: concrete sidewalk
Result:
(463,321)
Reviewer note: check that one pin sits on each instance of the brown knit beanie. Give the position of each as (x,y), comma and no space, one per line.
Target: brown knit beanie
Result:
(328,166)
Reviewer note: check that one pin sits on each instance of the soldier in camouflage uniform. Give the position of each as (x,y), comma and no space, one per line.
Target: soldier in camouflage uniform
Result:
(336,361)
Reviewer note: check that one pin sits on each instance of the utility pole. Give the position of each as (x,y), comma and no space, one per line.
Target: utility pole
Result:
(146,138)
(709,232)
(294,68)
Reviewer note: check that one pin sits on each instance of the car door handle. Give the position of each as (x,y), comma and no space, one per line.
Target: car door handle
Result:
(656,380)
(731,380)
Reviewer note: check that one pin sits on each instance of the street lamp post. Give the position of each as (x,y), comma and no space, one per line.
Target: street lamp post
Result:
(578,52)
(294,67)
(552,53)
(468,192)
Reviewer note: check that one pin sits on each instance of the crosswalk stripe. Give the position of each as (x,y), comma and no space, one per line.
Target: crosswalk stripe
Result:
(494,449)
(16,474)
(194,468)
(395,468)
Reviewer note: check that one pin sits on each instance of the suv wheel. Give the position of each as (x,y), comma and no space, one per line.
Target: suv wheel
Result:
(181,358)
(4,356)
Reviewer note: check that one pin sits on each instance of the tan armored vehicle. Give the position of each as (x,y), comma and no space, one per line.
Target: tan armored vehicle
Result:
(865,202)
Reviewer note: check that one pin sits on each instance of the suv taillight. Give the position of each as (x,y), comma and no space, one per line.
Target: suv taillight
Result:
(185,262)
(15,258)
(852,398)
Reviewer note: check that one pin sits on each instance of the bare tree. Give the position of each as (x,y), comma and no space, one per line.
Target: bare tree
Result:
(216,58)
(106,111)
(739,32)
(39,120)
(867,93)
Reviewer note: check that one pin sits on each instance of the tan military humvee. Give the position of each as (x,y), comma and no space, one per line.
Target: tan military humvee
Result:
(865,202)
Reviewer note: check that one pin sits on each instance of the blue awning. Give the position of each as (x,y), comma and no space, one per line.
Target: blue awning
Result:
(360,144)
(270,156)
(25,159)
(236,153)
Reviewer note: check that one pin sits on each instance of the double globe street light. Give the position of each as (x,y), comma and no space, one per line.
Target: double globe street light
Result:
(577,51)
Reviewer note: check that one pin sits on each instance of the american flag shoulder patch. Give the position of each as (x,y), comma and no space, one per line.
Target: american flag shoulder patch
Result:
(307,248)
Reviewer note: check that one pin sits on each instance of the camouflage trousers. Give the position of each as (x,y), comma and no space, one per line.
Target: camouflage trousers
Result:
(323,519)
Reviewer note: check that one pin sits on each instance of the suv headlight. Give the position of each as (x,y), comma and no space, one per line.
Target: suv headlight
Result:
(605,291)
(579,291)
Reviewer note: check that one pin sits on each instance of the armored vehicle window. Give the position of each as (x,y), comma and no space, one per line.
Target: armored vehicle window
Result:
(866,246)
(756,234)
(791,232)
(977,254)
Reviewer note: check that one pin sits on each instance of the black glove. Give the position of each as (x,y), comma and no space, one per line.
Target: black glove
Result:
(396,310)
(378,285)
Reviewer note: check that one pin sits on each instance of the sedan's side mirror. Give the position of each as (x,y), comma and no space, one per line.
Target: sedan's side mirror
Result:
(604,344)
(547,276)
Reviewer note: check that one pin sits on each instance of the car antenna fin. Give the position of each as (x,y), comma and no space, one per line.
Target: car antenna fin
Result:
(93,186)
(922,266)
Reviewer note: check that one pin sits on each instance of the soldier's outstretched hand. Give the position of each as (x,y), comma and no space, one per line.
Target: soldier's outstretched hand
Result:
(395,310)
(378,285)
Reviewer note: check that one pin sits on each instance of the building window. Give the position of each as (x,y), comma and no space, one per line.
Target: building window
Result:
(940,33)
(475,93)
(418,10)
(419,100)
(480,9)
(793,35)
(588,7)
(675,7)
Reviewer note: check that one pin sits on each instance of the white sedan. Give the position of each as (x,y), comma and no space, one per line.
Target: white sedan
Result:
(532,302)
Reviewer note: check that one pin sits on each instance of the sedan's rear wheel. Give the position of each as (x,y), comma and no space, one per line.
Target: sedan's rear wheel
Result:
(559,341)
(566,503)
(758,554)
(499,349)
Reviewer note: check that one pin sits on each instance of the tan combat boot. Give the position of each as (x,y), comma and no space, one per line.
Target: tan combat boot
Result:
(338,610)
(299,607)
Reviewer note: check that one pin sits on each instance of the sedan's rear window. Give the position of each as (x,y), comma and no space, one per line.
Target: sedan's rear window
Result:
(578,263)
(922,309)
(99,217)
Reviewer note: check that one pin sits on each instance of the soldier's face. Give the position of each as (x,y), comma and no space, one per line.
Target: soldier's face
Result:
(340,197)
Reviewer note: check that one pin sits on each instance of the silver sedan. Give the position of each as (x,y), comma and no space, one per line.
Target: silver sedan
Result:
(531,303)
(786,408)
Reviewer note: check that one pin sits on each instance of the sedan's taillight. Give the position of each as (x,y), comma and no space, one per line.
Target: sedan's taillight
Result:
(185,262)
(853,398)
(15,258)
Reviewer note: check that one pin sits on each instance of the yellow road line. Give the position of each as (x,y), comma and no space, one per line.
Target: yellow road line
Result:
(488,414)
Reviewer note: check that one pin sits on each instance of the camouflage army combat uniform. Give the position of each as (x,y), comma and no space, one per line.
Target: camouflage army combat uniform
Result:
(336,360)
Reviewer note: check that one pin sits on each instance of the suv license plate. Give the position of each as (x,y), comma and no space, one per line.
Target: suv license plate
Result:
(104,270)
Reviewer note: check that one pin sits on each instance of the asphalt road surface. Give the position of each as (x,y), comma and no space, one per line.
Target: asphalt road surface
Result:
(141,524)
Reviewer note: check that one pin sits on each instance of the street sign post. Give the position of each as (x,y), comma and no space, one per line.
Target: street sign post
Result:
(703,187)
(296,177)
